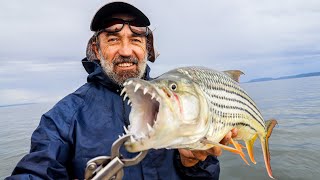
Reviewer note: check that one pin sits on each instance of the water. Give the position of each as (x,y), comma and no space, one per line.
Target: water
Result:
(294,143)
(17,124)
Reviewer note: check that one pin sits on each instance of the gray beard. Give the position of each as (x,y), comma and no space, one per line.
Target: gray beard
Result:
(120,77)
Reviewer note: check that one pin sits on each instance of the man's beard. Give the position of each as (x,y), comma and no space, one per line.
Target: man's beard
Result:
(119,77)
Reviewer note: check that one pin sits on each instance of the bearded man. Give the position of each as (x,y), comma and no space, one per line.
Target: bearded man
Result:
(84,124)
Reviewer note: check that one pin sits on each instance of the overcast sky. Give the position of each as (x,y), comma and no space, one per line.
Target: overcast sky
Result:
(42,42)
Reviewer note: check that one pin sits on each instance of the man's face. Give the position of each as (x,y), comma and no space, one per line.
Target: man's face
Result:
(122,54)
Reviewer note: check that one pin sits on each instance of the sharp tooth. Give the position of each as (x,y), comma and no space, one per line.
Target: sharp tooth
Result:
(125,96)
(119,136)
(149,127)
(153,95)
(125,83)
(132,139)
(129,82)
(125,129)
(129,102)
(158,99)
(137,87)
(123,90)
(145,90)
(143,135)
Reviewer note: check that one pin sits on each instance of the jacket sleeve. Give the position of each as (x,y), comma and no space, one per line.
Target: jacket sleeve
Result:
(48,157)
(208,169)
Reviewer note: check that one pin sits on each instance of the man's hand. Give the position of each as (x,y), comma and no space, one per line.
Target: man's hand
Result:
(190,158)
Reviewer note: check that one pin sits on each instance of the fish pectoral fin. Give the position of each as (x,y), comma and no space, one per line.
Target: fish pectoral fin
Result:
(239,147)
(249,145)
(225,147)
(236,150)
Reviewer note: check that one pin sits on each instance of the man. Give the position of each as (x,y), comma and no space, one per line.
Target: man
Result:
(84,124)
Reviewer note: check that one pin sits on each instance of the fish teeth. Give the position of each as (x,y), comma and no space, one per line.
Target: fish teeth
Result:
(153,95)
(137,87)
(143,135)
(125,96)
(129,82)
(125,83)
(129,102)
(149,127)
(158,99)
(152,131)
(132,139)
(125,129)
(145,90)
(120,136)
(123,90)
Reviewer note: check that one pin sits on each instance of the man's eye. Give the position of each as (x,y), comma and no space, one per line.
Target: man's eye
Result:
(112,39)
(136,40)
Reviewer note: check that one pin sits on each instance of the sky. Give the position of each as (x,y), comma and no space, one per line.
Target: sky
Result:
(42,42)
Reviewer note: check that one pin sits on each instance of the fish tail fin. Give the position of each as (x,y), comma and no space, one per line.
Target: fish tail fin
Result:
(249,145)
(265,145)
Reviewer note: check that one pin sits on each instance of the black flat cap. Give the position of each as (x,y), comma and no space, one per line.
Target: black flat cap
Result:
(110,9)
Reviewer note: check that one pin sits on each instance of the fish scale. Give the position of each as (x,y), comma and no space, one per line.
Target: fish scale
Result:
(213,83)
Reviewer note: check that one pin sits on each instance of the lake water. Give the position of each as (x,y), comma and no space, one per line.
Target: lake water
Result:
(294,143)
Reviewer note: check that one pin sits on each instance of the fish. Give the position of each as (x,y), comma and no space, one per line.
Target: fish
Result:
(194,108)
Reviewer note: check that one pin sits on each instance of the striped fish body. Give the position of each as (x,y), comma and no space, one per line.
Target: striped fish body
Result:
(229,105)
(194,108)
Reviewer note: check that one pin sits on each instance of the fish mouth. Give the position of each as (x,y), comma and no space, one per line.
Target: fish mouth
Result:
(145,100)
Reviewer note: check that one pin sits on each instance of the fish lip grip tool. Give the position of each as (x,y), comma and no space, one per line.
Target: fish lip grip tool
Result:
(111,167)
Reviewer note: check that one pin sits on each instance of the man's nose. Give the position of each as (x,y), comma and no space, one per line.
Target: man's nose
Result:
(125,49)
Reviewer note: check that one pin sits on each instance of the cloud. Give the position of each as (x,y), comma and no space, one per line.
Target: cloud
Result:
(13,96)
(242,28)
(45,28)
(42,42)
(34,81)
(185,30)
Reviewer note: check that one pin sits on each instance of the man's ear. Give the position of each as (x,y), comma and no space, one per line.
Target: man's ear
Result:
(95,50)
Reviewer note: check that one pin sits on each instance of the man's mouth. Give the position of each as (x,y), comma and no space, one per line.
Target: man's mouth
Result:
(126,64)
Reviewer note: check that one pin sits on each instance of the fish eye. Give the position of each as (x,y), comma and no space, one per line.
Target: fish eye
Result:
(173,86)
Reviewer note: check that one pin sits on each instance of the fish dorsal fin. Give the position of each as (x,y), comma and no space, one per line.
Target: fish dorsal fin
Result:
(234,74)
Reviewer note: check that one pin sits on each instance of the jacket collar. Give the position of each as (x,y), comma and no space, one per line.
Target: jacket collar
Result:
(96,74)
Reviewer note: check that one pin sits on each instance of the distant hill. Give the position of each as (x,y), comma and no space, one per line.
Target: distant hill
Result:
(285,77)
(21,104)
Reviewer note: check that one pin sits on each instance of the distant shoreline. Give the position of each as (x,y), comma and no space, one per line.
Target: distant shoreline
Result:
(285,77)
(20,104)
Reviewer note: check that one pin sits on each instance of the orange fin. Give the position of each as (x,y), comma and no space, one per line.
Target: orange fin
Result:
(234,74)
(249,145)
(265,145)
(270,125)
(236,150)
(228,148)
(239,148)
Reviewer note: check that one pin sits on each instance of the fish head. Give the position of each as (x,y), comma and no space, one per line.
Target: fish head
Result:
(167,112)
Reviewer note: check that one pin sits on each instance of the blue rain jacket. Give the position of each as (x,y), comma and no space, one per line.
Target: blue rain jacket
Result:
(83,125)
